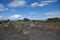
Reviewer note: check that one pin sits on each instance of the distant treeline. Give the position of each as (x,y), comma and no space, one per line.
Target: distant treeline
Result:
(26,19)
(48,20)
(53,19)
(4,21)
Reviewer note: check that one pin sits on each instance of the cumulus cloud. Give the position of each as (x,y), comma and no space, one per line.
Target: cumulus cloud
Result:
(15,17)
(1,18)
(42,3)
(52,14)
(34,4)
(2,8)
(33,13)
(17,3)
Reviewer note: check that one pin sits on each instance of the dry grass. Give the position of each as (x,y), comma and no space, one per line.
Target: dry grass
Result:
(25,33)
(32,25)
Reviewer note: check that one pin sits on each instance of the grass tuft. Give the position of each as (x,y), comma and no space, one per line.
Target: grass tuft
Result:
(25,33)
(5,26)
(32,25)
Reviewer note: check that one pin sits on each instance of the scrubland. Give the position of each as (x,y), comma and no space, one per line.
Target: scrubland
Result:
(29,30)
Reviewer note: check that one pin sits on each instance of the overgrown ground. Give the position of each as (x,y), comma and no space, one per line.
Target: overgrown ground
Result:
(27,30)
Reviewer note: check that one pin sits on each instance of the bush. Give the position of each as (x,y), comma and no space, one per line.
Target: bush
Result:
(25,33)
(4,21)
(53,19)
(5,26)
(32,25)
(25,19)
(1,22)
(20,29)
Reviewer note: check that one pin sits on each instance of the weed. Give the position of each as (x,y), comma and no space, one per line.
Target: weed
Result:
(5,26)
(20,29)
(32,25)
(25,33)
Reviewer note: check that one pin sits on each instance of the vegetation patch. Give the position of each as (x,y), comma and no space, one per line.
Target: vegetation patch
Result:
(5,26)
(32,25)
(25,33)
(19,29)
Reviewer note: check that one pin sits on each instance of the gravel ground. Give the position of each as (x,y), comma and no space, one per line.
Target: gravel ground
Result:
(34,34)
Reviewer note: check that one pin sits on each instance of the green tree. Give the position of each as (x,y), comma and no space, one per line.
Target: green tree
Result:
(53,19)
(25,19)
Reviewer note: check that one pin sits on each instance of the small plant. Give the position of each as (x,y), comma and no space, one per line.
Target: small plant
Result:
(39,26)
(5,26)
(25,33)
(20,29)
(1,22)
(32,25)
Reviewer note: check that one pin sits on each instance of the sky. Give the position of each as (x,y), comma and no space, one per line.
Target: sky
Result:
(32,9)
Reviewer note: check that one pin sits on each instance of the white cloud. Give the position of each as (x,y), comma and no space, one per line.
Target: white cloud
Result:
(33,13)
(43,3)
(34,4)
(17,3)
(2,8)
(52,14)
(1,18)
(15,17)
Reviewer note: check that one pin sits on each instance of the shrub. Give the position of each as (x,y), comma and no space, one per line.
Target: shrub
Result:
(1,22)
(53,19)
(25,33)
(20,29)
(32,25)
(25,19)
(5,26)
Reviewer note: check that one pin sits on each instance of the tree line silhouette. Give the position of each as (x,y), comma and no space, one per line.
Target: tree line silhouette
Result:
(27,19)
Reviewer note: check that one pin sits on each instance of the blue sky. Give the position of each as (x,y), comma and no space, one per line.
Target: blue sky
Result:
(32,9)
